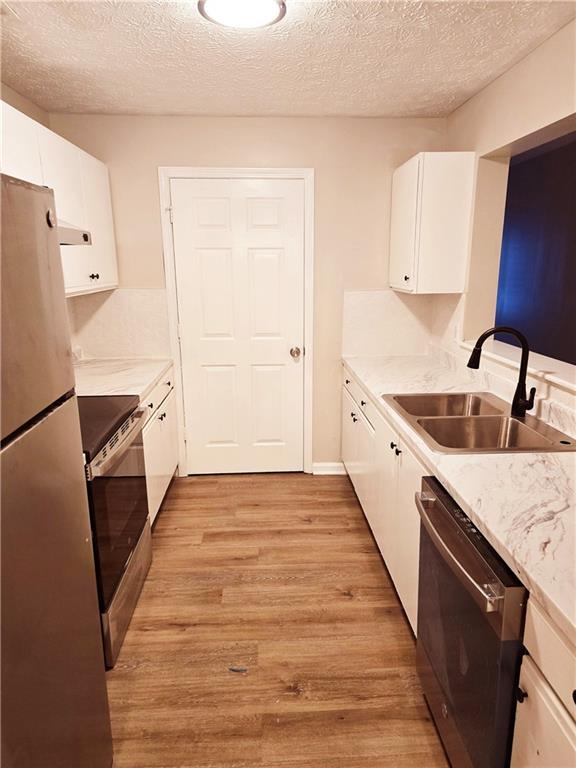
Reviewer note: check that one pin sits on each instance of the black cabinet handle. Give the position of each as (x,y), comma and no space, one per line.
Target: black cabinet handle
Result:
(397,451)
(521,695)
(362,403)
(94,276)
(347,381)
(150,405)
(168,383)
(392,445)
(352,414)
(354,419)
(406,277)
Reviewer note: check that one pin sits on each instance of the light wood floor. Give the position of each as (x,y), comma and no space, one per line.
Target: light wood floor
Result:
(276,575)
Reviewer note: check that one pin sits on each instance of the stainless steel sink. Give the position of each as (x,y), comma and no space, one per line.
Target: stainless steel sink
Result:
(484,433)
(452,404)
(476,422)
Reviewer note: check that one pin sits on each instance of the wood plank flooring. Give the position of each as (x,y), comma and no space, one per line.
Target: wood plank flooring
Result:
(276,577)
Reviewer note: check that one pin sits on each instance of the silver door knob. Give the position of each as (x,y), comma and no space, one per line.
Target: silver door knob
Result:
(295,352)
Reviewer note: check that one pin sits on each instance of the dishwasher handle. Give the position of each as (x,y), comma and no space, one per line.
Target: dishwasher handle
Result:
(489,596)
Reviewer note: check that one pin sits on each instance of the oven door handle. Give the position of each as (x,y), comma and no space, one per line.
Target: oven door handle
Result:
(102,467)
(487,596)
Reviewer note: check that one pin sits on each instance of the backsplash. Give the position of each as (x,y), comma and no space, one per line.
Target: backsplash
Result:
(386,323)
(381,323)
(127,322)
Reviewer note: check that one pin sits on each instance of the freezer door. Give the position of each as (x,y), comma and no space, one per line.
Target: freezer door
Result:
(36,365)
(54,702)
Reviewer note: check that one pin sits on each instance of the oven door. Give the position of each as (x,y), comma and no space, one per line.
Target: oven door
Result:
(118,509)
(470,615)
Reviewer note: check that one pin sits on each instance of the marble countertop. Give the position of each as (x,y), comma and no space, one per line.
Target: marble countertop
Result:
(126,376)
(524,503)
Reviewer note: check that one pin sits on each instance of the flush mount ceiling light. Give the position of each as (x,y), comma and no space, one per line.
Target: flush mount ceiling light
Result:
(244,14)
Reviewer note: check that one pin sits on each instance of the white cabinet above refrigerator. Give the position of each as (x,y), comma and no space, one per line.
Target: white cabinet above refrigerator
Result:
(32,152)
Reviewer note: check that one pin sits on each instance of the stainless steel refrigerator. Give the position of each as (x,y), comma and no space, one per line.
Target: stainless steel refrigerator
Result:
(54,701)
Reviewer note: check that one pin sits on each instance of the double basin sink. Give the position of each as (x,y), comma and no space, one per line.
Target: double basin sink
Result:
(476,423)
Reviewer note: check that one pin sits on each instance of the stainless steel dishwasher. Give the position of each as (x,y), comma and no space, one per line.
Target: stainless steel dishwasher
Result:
(470,623)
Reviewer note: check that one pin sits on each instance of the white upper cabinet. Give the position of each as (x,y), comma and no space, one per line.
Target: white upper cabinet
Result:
(32,152)
(101,255)
(20,147)
(431,215)
(62,171)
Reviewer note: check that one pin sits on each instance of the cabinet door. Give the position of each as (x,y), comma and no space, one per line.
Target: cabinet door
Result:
(20,148)
(349,436)
(101,255)
(160,453)
(544,733)
(62,171)
(403,225)
(445,213)
(170,435)
(366,485)
(407,533)
(386,478)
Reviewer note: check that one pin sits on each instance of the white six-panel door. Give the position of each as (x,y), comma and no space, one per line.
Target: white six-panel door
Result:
(239,263)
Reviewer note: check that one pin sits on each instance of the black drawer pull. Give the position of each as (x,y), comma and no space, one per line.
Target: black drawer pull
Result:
(397,451)
(521,695)
(362,403)
(392,445)
(347,381)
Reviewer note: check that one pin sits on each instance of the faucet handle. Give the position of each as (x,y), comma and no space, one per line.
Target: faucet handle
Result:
(530,401)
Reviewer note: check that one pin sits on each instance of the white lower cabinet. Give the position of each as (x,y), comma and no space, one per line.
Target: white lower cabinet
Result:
(359,453)
(386,475)
(544,733)
(160,452)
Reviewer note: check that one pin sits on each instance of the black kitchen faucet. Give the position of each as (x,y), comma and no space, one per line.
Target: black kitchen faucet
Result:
(520,404)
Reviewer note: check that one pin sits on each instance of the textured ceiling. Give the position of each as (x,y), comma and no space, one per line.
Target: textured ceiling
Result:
(366,57)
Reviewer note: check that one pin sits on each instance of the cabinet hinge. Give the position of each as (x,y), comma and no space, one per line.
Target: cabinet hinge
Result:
(171,213)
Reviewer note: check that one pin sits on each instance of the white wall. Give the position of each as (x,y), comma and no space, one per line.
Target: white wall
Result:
(527,104)
(353,160)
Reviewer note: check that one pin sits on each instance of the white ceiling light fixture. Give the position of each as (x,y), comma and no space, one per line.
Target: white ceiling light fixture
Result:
(243,14)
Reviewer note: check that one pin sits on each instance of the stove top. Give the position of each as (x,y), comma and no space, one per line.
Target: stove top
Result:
(100,417)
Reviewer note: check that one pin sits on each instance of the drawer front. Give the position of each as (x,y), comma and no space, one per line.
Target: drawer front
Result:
(544,733)
(552,654)
(157,395)
(360,397)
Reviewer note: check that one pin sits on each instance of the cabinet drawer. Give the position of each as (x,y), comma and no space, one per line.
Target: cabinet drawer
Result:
(552,654)
(161,389)
(544,733)
(360,397)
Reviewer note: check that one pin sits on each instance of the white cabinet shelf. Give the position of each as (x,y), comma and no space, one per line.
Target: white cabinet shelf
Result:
(431,215)
(32,152)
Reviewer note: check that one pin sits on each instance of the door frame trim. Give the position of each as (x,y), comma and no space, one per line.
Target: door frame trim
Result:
(165,174)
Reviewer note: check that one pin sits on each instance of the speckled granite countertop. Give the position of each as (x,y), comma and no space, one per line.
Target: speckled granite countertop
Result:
(524,503)
(119,376)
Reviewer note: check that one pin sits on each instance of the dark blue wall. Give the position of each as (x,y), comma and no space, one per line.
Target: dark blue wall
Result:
(537,283)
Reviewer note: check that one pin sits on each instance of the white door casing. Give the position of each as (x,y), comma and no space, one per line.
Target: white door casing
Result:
(239,273)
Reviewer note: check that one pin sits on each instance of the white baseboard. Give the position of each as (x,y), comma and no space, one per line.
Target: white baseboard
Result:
(328,468)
